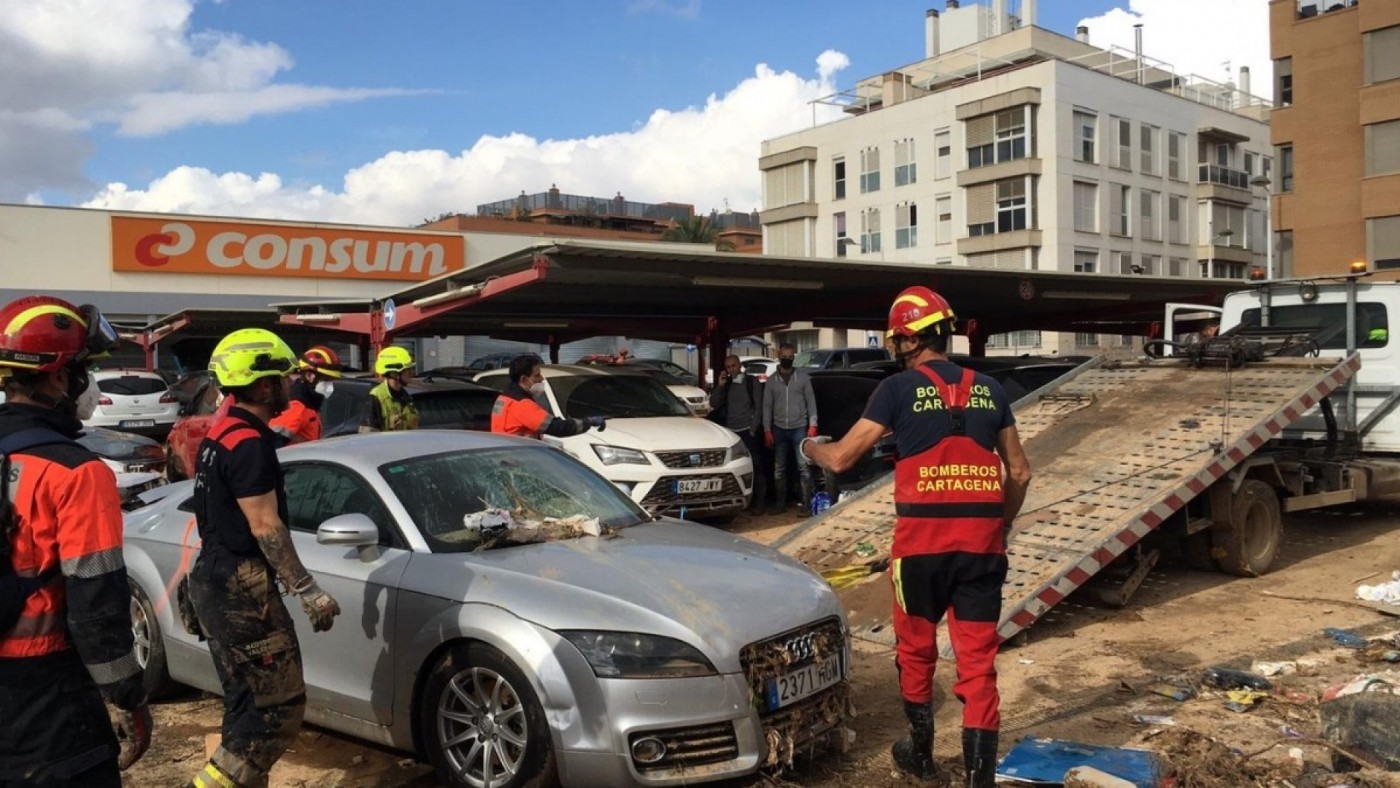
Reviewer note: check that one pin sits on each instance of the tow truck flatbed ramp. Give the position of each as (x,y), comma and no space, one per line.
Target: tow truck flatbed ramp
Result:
(1116,448)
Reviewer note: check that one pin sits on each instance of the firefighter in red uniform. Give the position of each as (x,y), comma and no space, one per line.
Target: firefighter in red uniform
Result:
(517,413)
(960,479)
(311,384)
(65,624)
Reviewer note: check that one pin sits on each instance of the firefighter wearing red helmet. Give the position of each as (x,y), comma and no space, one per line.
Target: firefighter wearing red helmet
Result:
(314,380)
(961,476)
(65,628)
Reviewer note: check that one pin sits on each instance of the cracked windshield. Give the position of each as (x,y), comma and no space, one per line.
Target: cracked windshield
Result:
(456,498)
(615,397)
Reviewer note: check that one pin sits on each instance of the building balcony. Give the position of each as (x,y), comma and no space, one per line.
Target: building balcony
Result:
(997,242)
(1233,254)
(1015,168)
(1224,185)
(787,213)
(1311,8)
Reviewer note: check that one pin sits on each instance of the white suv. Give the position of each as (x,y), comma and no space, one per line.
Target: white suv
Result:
(134,400)
(669,461)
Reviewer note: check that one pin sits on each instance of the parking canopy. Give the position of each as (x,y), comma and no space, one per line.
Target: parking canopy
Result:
(565,290)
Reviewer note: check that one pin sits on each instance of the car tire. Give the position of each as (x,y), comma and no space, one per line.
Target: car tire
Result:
(149,645)
(1249,542)
(475,691)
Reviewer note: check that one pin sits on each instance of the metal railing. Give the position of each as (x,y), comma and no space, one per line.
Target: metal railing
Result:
(1311,8)
(1214,173)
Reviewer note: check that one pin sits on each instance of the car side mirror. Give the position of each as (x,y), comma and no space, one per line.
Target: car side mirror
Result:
(349,530)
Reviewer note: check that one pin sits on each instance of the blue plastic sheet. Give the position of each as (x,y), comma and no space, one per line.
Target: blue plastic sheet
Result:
(1045,761)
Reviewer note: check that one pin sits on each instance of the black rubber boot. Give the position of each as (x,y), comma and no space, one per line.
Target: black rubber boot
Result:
(980,757)
(914,753)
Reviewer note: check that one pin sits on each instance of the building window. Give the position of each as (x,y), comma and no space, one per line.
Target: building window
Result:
(840,221)
(1283,82)
(1086,340)
(906,226)
(943,141)
(1011,134)
(1283,254)
(997,138)
(838,175)
(1124,160)
(1147,139)
(904,168)
(787,185)
(870,230)
(1126,266)
(1151,225)
(1015,340)
(1225,225)
(1249,163)
(943,261)
(1383,148)
(1151,265)
(943,206)
(1176,266)
(1011,205)
(1085,126)
(1176,219)
(870,170)
(1086,207)
(1382,54)
(1176,143)
(1383,242)
(1120,210)
(1284,154)
(1086,261)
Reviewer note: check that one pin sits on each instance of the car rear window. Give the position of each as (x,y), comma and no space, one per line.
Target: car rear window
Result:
(866,354)
(455,410)
(132,386)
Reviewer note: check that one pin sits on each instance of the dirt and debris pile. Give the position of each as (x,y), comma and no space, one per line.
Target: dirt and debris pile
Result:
(499,527)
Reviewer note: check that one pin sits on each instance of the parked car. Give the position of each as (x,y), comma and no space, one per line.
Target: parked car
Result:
(442,404)
(124,452)
(673,369)
(186,386)
(839,357)
(632,658)
(841,400)
(694,397)
(758,366)
(133,400)
(669,461)
(493,361)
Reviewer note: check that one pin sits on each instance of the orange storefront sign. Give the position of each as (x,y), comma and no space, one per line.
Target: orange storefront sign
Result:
(154,245)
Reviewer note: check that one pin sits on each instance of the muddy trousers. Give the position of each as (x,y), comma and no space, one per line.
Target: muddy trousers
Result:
(256,654)
(966,587)
(54,729)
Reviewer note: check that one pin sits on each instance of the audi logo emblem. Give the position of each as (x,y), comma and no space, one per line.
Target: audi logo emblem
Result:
(802,647)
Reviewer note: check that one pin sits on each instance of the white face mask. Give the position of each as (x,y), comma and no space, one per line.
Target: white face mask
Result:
(324,388)
(87,401)
(538,389)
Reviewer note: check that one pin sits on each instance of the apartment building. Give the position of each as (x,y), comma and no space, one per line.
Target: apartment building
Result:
(1337,133)
(1011,146)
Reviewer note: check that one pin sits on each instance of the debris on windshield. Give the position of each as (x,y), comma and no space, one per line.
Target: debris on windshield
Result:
(494,526)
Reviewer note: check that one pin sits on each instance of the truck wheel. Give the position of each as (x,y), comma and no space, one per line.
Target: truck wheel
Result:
(1248,544)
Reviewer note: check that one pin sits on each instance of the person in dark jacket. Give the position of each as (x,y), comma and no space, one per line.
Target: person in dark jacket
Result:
(737,404)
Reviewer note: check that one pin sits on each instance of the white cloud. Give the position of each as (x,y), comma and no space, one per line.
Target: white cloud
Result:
(705,155)
(70,64)
(1196,36)
(685,9)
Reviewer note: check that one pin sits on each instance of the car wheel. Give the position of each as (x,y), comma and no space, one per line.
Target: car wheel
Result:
(148,645)
(482,724)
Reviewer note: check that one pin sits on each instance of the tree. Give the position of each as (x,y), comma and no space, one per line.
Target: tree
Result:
(696,230)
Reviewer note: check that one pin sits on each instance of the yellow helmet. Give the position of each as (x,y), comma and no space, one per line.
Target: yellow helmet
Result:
(249,354)
(392,359)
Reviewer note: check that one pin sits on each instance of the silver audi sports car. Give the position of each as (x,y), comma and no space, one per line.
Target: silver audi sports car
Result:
(488,629)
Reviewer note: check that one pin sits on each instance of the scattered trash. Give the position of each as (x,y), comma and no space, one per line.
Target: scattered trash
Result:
(1227,679)
(1386,593)
(865,549)
(1243,700)
(1089,777)
(1345,638)
(1172,691)
(1274,668)
(1363,716)
(495,526)
(1026,661)
(1376,682)
(1290,732)
(820,503)
(846,576)
(1153,719)
(1047,761)
(1296,697)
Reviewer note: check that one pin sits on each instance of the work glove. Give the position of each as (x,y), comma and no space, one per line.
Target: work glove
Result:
(802,447)
(597,422)
(133,729)
(768,440)
(320,607)
(812,431)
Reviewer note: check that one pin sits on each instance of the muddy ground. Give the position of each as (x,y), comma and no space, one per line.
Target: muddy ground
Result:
(1082,674)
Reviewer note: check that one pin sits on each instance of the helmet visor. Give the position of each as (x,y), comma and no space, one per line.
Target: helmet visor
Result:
(266,362)
(102,338)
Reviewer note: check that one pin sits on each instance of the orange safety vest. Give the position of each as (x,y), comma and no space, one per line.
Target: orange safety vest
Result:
(948,498)
(522,417)
(298,423)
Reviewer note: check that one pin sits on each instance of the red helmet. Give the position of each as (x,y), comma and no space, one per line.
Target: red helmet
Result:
(917,309)
(45,334)
(321,360)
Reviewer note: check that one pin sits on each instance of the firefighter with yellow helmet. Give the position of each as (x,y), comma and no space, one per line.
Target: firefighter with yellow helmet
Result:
(391,407)
(240,508)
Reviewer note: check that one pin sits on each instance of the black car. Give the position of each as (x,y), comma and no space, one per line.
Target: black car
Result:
(124,452)
(442,405)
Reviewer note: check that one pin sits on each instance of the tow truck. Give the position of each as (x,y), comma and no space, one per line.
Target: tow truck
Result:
(1207,439)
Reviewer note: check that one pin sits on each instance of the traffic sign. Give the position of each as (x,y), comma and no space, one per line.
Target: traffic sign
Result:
(872,341)
(390,312)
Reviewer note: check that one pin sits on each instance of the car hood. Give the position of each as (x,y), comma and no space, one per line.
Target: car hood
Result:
(680,580)
(664,433)
(686,391)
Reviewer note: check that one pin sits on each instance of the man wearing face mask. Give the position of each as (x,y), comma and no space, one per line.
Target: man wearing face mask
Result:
(789,415)
(517,412)
(65,628)
(240,508)
(301,421)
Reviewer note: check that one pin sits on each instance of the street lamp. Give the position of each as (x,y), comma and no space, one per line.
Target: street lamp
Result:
(1264,183)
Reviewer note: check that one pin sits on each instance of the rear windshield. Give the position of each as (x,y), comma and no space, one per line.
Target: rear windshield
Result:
(132,386)
(814,359)
(455,410)
(1327,323)
(619,396)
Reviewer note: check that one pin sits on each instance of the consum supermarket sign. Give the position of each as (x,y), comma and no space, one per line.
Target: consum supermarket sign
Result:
(163,245)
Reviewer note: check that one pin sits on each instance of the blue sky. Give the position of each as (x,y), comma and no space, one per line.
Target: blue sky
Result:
(342,109)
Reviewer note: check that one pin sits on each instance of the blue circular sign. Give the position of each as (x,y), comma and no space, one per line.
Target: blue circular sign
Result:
(390,312)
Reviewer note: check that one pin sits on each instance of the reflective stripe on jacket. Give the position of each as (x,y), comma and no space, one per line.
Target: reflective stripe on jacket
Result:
(396,414)
(949,497)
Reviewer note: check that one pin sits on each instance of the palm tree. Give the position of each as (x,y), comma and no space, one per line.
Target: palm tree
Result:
(696,230)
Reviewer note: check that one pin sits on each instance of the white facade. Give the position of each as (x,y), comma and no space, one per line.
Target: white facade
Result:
(1027,155)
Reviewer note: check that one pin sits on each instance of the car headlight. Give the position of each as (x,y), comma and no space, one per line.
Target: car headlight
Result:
(738,451)
(630,655)
(616,455)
